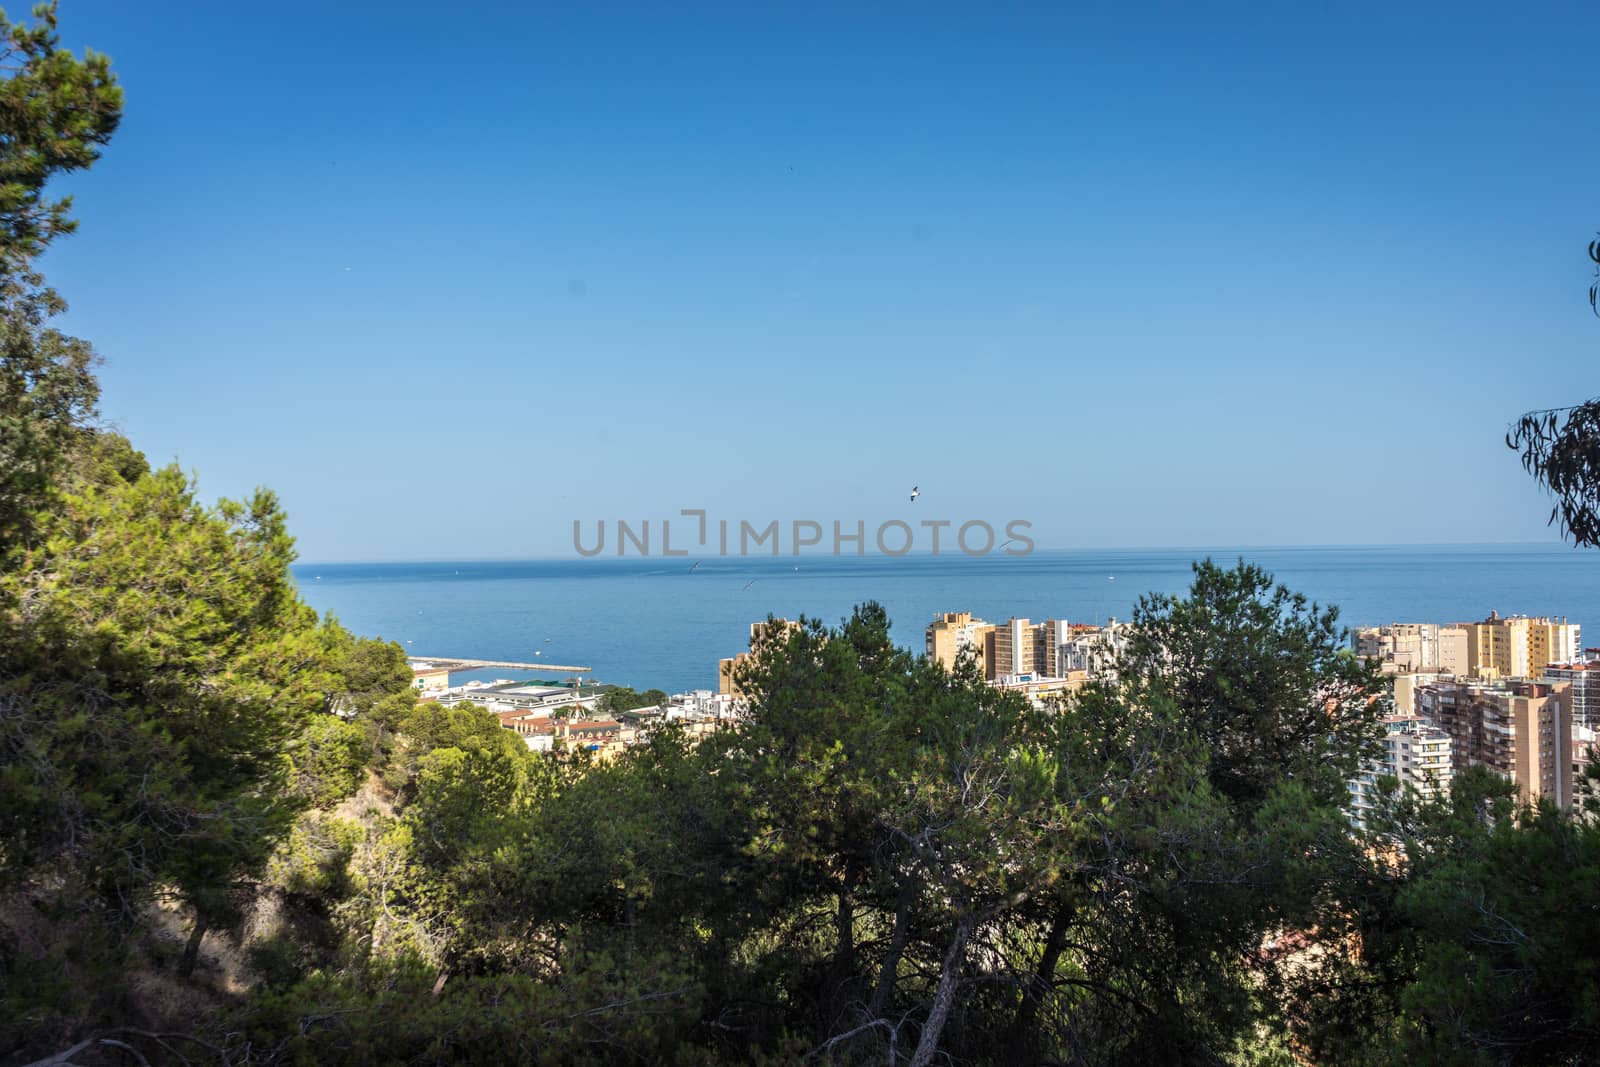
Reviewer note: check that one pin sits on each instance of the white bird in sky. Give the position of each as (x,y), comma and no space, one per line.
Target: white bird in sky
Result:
(915,492)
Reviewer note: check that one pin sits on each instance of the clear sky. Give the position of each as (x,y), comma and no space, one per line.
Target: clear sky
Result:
(447,281)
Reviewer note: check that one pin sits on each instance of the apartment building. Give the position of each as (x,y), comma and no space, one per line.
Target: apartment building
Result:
(1416,753)
(1021,648)
(728,669)
(1092,649)
(428,679)
(1415,647)
(1519,646)
(1018,646)
(1406,686)
(955,632)
(1042,691)
(1584,677)
(1522,730)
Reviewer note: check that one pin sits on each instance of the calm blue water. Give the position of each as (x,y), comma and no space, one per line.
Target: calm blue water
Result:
(650,622)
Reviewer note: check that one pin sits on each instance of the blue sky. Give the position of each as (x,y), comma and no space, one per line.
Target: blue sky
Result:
(448,281)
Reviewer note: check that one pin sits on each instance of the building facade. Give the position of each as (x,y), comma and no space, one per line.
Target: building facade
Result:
(1091,649)
(1414,647)
(1018,646)
(1522,730)
(1584,677)
(955,632)
(426,678)
(1519,646)
(1416,753)
(728,670)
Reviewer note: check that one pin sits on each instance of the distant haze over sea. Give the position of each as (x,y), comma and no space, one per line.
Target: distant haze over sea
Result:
(650,622)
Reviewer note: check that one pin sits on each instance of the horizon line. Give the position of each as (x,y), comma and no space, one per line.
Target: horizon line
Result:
(691,556)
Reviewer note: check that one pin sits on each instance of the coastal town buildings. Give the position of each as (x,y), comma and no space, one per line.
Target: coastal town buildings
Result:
(1094,650)
(1520,729)
(1519,646)
(1018,646)
(1513,646)
(516,696)
(1407,684)
(1584,677)
(955,632)
(1042,660)
(728,670)
(1409,647)
(427,678)
(1456,704)
(1416,753)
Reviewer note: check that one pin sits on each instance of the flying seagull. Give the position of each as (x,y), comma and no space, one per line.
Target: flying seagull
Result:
(915,492)
(748,584)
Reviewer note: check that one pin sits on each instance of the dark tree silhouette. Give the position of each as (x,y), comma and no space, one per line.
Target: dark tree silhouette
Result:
(1560,447)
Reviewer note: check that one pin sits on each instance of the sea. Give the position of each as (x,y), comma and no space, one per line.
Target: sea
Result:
(664,623)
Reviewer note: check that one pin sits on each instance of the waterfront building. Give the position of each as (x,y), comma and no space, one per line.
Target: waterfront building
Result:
(427,679)
(1054,648)
(513,696)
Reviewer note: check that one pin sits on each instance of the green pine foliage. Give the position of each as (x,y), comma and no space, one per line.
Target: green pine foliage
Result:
(230,833)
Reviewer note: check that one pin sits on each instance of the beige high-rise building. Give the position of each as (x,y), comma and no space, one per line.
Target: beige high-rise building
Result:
(1519,646)
(1451,647)
(1008,648)
(1522,730)
(953,632)
(1406,686)
(728,669)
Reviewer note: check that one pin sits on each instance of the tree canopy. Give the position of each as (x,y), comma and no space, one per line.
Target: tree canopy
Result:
(1560,447)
